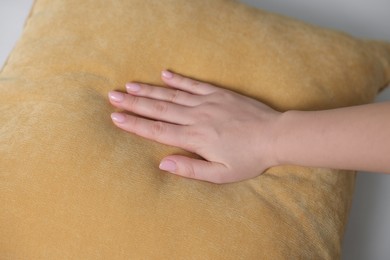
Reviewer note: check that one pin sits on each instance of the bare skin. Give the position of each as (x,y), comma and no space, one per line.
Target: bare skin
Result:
(239,137)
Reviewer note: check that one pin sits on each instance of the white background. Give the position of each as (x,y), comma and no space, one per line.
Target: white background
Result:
(368,231)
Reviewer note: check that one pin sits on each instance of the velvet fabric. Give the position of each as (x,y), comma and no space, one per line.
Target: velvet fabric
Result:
(74,186)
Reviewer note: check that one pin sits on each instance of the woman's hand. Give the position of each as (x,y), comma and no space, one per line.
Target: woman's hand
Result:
(234,134)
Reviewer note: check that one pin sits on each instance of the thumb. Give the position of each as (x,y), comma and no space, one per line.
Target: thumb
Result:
(194,168)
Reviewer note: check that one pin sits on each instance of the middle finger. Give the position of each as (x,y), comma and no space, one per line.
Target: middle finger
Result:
(166,94)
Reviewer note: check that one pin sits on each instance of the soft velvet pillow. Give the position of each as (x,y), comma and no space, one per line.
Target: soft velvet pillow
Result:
(74,186)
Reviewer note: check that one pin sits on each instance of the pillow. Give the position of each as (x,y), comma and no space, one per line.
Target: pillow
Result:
(74,186)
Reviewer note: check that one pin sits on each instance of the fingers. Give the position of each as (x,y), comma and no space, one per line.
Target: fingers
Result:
(174,111)
(155,130)
(187,84)
(195,169)
(164,94)
(156,109)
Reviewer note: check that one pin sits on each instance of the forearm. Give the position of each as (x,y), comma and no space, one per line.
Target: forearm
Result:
(355,138)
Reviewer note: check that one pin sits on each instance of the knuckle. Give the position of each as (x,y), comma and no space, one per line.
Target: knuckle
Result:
(135,124)
(158,128)
(204,113)
(160,107)
(194,84)
(205,117)
(147,89)
(223,95)
(198,134)
(132,103)
(189,171)
(175,96)
(179,79)
(194,139)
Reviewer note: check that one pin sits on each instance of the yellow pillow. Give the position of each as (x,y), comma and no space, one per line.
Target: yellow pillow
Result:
(74,186)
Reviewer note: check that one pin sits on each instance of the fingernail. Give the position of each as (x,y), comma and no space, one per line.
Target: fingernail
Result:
(118,117)
(168,165)
(167,74)
(116,96)
(132,87)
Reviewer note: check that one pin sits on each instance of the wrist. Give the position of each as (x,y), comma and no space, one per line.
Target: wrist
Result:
(286,129)
(272,153)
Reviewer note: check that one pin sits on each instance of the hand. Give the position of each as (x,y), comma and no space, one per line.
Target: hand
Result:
(233,133)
